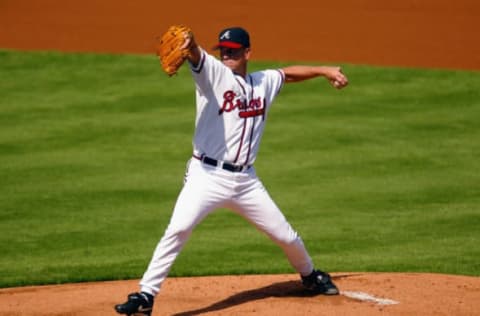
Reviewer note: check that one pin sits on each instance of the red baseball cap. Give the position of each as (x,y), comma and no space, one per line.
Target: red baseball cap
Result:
(233,37)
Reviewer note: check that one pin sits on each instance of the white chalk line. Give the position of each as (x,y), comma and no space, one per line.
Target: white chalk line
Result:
(361,296)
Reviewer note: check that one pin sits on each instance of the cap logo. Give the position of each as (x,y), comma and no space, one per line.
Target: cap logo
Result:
(225,35)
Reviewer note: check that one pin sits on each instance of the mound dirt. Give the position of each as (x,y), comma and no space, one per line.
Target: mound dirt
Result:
(266,295)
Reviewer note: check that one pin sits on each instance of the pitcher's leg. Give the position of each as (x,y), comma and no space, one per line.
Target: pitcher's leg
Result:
(258,207)
(194,203)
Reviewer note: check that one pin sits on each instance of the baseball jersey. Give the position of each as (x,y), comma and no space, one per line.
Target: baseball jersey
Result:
(231,110)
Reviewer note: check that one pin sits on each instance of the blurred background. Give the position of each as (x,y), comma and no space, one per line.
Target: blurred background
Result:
(418,33)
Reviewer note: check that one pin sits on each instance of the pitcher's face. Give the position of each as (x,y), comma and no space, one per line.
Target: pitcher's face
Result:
(234,58)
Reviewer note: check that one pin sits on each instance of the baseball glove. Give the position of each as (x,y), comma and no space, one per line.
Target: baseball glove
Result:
(171,48)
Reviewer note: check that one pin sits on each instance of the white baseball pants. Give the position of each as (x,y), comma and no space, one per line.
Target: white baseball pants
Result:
(208,188)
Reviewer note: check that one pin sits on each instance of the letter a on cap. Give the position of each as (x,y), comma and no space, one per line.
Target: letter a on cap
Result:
(225,35)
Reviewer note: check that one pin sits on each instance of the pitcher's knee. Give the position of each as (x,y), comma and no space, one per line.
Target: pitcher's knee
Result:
(179,231)
(286,239)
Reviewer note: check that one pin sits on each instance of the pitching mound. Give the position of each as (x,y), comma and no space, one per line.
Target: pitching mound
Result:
(361,294)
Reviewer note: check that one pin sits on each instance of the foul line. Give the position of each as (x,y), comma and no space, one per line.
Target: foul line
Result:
(368,298)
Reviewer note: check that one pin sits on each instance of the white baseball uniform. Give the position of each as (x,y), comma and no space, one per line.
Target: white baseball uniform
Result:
(230,119)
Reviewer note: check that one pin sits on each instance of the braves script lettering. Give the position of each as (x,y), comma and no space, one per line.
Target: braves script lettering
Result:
(246,109)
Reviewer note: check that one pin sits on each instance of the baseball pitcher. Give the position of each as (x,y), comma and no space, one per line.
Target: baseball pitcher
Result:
(232,109)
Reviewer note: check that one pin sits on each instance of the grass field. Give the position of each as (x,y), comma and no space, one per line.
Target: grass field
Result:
(381,176)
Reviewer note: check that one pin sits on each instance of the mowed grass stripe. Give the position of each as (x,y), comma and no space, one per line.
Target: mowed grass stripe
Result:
(381,176)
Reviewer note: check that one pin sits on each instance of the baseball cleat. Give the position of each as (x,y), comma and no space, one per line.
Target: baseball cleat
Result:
(320,282)
(138,304)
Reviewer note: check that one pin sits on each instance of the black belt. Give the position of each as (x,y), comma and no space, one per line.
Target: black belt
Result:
(223,165)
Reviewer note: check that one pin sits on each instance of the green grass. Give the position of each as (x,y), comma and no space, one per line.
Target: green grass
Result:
(381,176)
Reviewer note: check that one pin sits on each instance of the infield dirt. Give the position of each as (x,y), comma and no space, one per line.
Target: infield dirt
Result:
(419,33)
(266,295)
(412,33)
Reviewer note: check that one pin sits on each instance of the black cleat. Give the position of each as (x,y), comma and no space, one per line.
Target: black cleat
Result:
(140,304)
(320,282)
